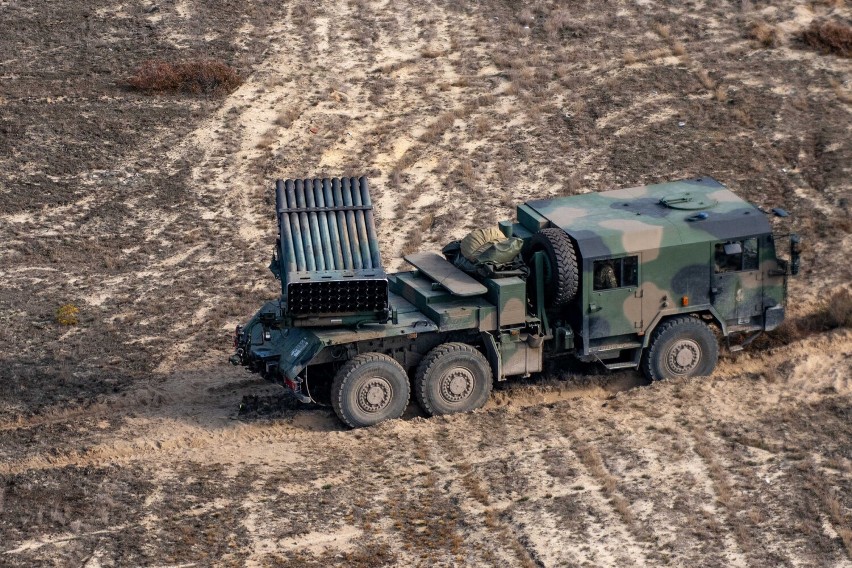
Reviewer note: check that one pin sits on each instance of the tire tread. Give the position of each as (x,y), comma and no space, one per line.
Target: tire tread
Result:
(429,362)
(344,375)
(646,365)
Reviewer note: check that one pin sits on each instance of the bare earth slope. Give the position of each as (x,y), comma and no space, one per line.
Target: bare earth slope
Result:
(120,439)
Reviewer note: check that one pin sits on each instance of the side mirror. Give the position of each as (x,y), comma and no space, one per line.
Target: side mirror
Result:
(795,252)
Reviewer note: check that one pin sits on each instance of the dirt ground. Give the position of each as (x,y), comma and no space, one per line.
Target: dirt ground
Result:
(121,440)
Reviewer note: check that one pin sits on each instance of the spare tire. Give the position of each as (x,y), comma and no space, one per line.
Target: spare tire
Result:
(561,273)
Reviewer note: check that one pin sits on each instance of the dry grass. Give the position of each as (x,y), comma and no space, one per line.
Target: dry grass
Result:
(440,125)
(475,489)
(431,53)
(557,22)
(286,117)
(765,34)
(266,140)
(844,95)
(678,49)
(706,80)
(468,173)
(594,463)
(831,504)
(836,311)
(203,76)
(721,481)
(829,37)
(832,313)
(413,240)
(631,56)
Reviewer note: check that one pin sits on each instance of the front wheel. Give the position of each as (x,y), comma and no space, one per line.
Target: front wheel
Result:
(369,389)
(453,377)
(681,347)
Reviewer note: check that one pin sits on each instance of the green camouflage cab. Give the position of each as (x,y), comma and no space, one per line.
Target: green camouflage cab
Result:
(684,247)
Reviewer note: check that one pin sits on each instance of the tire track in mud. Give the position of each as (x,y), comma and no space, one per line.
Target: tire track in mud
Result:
(202,446)
(144,397)
(178,418)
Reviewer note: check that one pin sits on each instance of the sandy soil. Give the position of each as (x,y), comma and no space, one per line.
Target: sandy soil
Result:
(121,440)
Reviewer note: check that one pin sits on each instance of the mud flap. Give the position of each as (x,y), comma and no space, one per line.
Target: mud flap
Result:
(493,356)
(773,317)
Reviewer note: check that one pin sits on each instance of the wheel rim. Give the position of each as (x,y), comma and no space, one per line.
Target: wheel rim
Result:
(457,384)
(684,357)
(547,267)
(375,394)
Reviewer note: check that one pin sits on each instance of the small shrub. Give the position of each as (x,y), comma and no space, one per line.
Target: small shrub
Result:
(706,81)
(286,118)
(765,34)
(67,315)
(203,76)
(842,94)
(836,311)
(829,37)
(412,242)
(557,22)
(663,31)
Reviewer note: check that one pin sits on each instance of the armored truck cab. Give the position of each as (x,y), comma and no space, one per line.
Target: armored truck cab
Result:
(644,277)
(649,253)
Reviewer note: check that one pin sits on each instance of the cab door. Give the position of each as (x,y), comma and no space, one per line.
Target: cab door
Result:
(615,300)
(736,288)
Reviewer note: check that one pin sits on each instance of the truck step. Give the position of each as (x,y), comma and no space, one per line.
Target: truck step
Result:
(622,365)
(615,347)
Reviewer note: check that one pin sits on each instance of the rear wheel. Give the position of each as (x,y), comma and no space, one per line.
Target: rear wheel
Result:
(681,347)
(453,377)
(369,389)
(561,275)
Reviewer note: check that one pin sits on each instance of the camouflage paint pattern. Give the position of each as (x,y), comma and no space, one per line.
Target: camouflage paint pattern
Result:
(664,236)
(672,229)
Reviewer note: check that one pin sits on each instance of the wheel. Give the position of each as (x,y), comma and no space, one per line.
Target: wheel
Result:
(681,347)
(369,389)
(561,275)
(453,377)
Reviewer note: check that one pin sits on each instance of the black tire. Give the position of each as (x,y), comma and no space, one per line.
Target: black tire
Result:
(453,377)
(562,276)
(680,347)
(369,389)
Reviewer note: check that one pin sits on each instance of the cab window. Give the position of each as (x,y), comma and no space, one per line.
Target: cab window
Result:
(616,273)
(734,256)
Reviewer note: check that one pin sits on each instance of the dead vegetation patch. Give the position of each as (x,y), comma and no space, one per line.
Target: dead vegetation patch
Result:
(197,77)
(765,34)
(829,37)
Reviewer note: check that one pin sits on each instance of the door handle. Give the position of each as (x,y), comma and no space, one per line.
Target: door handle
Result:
(594,308)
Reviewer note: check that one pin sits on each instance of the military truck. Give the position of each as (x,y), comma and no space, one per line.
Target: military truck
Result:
(647,278)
